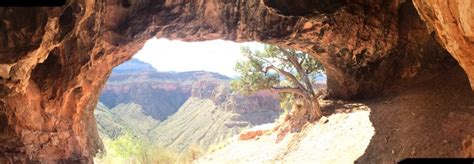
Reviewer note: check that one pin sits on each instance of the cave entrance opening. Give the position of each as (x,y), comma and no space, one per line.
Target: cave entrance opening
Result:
(177,97)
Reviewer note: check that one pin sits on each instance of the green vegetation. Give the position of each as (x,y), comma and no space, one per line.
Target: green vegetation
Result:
(123,118)
(128,148)
(289,72)
(126,140)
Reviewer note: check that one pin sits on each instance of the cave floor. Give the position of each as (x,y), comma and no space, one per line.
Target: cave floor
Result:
(429,119)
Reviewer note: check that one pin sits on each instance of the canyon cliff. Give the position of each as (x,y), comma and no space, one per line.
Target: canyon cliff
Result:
(136,98)
(159,93)
(213,114)
(54,61)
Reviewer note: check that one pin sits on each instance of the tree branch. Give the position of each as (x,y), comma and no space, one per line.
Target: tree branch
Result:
(286,74)
(302,60)
(284,51)
(297,91)
(289,90)
(302,73)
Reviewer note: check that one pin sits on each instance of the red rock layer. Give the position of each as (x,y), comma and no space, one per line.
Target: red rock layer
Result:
(54,61)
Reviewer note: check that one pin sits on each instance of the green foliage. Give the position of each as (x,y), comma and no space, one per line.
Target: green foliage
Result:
(250,74)
(286,101)
(251,71)
(255,74)
(128,148)
(127,145)
(313,67)
(124,149)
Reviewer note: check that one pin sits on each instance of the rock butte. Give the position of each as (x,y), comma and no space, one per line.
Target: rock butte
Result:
(55,60)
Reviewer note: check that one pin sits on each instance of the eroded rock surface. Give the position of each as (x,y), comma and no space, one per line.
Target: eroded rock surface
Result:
(453,23)
(55,61)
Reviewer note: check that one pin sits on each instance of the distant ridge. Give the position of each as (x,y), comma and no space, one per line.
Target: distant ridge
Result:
(160,94)
(133,66)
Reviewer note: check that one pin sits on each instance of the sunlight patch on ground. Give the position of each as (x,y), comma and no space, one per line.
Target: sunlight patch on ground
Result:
(342,139)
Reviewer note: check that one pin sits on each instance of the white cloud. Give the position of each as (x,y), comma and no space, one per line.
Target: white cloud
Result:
(173,55)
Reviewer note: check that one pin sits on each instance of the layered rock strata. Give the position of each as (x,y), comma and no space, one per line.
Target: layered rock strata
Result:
(55,60)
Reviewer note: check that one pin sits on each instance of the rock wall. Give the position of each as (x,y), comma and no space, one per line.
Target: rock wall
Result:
(453,23)
(55,60)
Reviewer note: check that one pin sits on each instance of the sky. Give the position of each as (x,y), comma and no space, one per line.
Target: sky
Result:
(214,56)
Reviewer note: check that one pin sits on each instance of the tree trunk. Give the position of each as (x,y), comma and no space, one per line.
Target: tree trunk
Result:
(314,110)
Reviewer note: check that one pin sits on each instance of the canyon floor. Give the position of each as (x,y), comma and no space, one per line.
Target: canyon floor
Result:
(429,120)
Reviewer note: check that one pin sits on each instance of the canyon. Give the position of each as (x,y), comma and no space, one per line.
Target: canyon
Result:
(139,100)
(55,61)
(159,93)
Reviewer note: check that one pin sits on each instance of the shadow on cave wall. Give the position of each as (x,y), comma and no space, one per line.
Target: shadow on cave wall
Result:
(429,119)
(429,110)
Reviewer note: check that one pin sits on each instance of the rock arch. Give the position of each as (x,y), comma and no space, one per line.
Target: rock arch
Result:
(54,61)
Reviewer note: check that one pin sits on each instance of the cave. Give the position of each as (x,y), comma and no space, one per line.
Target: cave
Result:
(55,60)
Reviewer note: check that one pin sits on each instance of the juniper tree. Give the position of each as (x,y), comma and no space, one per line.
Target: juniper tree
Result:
(289,72)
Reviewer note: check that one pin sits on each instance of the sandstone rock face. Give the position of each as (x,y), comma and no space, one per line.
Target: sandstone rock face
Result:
(453,23)
(468,148)
(54,61)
